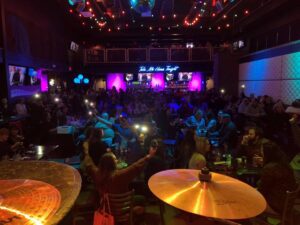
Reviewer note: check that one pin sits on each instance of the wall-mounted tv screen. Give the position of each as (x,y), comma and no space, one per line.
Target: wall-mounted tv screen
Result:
(169,76)
(185,76)
(129,77)
(33,75)
(145,77)
(238,44)
(16,75)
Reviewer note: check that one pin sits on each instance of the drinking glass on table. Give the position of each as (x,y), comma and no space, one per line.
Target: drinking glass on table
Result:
(257,161)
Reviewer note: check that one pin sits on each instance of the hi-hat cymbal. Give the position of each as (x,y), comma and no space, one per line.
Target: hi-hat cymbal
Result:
(64,178)
(27,202)
(223,197)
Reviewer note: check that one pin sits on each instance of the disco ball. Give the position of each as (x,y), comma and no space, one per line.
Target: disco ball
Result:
(142,6)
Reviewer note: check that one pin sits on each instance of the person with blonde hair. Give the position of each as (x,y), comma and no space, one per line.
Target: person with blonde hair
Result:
(202,144)
(197,160)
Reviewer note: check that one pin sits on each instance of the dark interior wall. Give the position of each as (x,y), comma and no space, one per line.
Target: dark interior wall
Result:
(226,72)
(37,34)
(270,27)
(3,86)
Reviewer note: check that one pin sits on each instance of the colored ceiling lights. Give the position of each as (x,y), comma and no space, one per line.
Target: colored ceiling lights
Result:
(110,13)
(198,10)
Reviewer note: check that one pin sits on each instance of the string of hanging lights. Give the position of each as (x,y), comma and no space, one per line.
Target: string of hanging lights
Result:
(90,17)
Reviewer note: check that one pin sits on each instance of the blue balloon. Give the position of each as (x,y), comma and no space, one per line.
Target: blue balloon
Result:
(80,76)
(76,80)
(86,80)
(72,2)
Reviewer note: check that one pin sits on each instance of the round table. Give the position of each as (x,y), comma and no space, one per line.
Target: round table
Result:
(64,178)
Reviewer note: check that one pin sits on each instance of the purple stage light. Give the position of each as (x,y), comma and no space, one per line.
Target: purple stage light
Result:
(195,84)
(44,80)
(158,81)
(115,80)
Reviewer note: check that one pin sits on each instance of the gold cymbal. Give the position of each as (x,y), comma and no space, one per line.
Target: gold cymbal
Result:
(223,197)
(27,202)
(64,178)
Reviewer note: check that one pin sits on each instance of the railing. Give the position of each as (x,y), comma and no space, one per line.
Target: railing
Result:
(144,55)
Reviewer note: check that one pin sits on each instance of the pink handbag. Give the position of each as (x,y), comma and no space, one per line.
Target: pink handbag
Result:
(103,216)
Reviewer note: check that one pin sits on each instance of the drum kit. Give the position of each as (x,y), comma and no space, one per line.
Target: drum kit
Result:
(41,192)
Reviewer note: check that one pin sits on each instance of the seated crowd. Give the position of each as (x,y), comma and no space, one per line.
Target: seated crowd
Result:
(154,131)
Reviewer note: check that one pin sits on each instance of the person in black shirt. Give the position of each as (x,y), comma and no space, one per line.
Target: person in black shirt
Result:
(157,162)
(276,178)
(7,150)
(97,148)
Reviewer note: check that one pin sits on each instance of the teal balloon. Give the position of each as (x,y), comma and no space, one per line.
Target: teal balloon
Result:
(76,80)
(73,2)
(86,80)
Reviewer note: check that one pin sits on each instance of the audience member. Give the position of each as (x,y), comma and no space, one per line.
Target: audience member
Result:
(197,161)
(243,106)
(196,121)
(227,133)
(106,176)
(294,110)
(6,149)
(252,143)
(186,148)
(211,122)
(96,147)
(21,108)
(276,178)
(157,162)
(106,125)
(254,109)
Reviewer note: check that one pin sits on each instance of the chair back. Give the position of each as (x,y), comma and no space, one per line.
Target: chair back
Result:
(121,207)
(287,215)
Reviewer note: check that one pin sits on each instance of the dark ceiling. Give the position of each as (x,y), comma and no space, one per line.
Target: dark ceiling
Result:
(169,20)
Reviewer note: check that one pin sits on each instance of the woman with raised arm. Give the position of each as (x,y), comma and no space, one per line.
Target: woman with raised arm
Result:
(109,179)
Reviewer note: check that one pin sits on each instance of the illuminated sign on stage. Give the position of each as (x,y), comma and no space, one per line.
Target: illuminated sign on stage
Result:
(149,69)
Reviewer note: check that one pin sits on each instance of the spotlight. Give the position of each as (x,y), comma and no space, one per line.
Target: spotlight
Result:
(37,95)
(144,129)
(222,91)
(243,86)
(40,150)
(136,126)
(90,113)
(52,82)
(92,104)
(56,99)
(86,101)
(189,45)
